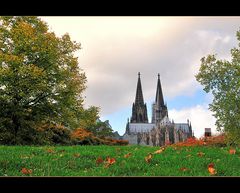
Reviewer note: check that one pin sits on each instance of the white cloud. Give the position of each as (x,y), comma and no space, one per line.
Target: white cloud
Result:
(115,49)
(199,116)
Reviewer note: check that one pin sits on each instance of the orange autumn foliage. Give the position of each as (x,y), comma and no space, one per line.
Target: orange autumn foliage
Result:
(86,137)
(81,133)
(206,141)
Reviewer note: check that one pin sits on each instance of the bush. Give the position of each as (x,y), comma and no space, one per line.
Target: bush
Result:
(218,140)
(83,137)
(52,134)
(6,137)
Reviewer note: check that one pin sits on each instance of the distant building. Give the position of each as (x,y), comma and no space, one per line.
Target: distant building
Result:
(207,132)
(161,130)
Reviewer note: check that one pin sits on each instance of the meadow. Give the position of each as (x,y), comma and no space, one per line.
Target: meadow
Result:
(131,160)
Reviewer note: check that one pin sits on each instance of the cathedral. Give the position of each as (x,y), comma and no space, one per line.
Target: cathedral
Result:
(161,130)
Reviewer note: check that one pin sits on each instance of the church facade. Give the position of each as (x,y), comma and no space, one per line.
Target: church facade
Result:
(160,131)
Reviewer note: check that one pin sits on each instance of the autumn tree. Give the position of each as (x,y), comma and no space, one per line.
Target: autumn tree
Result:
(40,80)
(222,79)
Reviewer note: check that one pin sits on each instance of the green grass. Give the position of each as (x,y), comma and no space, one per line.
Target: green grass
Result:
(63,162)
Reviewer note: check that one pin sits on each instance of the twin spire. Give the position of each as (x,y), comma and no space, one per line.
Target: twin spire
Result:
(139,108)
(139,95)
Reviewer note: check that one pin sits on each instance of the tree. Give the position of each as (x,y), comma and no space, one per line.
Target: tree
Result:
(222,79)
(102,129)
(40,80)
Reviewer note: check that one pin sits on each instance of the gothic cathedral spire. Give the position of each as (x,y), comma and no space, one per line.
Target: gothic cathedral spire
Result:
(139,109)
(159,95)
(159,108)
(139,95)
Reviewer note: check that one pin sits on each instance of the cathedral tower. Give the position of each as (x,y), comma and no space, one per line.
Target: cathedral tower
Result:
(139,109)
(159,109)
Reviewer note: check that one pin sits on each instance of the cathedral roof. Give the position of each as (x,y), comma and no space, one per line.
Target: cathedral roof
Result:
(182,126)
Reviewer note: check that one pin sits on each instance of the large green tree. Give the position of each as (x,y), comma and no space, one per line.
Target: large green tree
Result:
(40,80)
(222,79)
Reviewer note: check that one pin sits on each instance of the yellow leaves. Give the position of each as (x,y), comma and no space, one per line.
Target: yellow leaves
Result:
(232,151)
(211,169)
(159,151)
(148,158)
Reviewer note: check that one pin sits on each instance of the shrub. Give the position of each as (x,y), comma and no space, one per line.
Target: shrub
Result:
(83,137)
(53,134)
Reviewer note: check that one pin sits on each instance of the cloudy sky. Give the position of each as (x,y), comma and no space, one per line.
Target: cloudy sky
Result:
(115,49)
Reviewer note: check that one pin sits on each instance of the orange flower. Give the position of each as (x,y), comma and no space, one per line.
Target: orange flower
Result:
(148,158)
(127,155)
(26,171)
(232,151)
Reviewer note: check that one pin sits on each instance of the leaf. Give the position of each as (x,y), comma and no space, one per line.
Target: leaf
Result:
(50,151)
(109,161)
(211,169)
(76,154)
(211,165)
(183,169)
(99,160)
(127,155)
(200,154)
(26,171)
(158,151)
(148,158)
(232,151)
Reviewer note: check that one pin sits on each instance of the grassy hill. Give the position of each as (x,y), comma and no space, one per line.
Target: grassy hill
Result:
(117,161)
